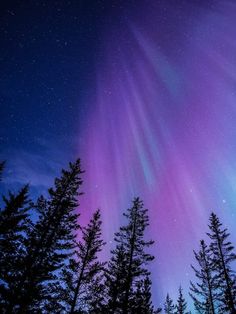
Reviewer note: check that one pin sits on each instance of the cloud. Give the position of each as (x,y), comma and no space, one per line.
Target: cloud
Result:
(37,166)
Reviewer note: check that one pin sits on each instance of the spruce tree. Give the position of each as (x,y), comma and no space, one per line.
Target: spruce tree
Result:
(14,222)
(81,287)
(49,242)
(181,303)
(142,302)
(204,293)
(116,274)
(129,259)
(222,256)
(169,307)
(95,296)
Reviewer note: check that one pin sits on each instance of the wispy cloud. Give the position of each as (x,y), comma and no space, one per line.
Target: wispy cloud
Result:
(38,166)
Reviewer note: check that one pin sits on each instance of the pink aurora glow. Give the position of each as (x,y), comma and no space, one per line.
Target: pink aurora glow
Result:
(162,127)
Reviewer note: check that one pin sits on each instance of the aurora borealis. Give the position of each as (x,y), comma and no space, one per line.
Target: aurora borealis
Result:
(163,128)
(145,93)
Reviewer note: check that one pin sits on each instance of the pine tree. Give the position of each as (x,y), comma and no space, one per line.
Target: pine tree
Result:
(142,302)
(129,259)
(116,275)
(181,303)
(14,222)
(49,242)
(81,287)
(203,292)
(169,307)
(94,298)
(222,257)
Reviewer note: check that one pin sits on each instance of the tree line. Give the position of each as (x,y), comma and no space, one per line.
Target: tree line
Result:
(49,263)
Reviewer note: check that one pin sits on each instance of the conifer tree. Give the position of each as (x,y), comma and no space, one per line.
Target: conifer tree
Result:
(204,292)
(81,287)
(181,303)
(142,302)
(14,222)
(95,295)
(169,307)
(129,259)
(222,257)
(116,275)
(49,242)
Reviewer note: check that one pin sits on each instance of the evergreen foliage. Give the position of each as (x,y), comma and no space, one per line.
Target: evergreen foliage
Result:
(44,268)
(80,287)
(115,279)
(14,223)
(222,256)
(204,292)
(169,307)
(129,259)
(142,302)
(181,305)
(49,242)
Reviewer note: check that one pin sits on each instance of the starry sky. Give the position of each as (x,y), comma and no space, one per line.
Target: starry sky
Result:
(145,93)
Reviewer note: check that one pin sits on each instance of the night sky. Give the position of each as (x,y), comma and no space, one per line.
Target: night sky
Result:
(145,93)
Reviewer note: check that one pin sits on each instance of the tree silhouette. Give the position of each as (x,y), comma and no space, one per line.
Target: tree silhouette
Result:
(142,302)
(203,292)
(115,279)
(94,298)
(49,242)
(45,269)
(129,259)
(181,303)
(81,287)
(221,258)
(169,307)
(14,222)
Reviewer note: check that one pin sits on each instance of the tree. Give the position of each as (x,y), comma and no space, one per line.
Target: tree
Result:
(203,292)
(129,259)
(49,242)
(221,259)
(94,298)
(142,302)
(14,222)
(181,303)
(81,287)
(169,307)
(116,274)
